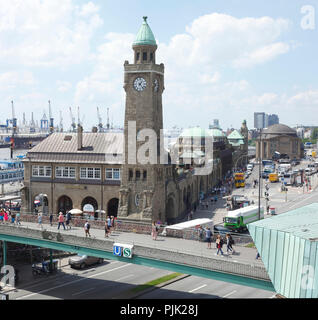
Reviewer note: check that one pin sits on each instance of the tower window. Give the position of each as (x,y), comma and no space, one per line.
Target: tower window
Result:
(151,56)
(130,174)
(144,56)
(145,175)
(137,56)
(137,175)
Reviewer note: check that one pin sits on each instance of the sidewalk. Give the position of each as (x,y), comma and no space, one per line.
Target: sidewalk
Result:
(177,245)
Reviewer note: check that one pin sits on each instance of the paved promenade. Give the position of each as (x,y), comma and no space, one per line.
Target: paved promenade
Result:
(243,254)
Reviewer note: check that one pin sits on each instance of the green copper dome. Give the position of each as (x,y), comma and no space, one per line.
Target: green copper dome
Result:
(145,35)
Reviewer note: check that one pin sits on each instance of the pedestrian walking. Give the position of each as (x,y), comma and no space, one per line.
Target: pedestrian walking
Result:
(208,236)
(154,231)
(106,229)
(51,219)
(109,224)
(219,244)
(86,229)
(40,219)
(257,256)
(229,243)
(1,215)
(6,216)
(18,219)
(201,234)
(61,221)
(13,217)
(68,220)
(112,221)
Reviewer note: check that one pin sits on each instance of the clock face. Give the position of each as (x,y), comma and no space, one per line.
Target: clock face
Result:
(156,84)
(140,84)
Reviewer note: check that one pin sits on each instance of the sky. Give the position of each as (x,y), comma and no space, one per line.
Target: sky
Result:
(224,59)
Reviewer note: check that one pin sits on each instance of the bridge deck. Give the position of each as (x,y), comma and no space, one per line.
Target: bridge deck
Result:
(187,256)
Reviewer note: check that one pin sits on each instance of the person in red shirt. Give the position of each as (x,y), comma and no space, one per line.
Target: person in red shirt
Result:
(61,221)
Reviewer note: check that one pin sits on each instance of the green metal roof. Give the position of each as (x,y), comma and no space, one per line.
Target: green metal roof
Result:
(235,135)
(145,35)
(301,222)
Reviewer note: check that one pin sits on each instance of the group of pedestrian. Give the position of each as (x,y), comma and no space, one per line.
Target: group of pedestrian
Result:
(6,216)
(109,224)
(219,241)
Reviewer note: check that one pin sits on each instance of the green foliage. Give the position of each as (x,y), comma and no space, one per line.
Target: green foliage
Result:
(156,282)
(314,134)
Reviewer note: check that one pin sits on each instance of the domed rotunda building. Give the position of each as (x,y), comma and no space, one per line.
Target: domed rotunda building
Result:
(279,138)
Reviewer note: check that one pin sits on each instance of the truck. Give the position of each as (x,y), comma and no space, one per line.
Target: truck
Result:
(239,179)
(289,178)
(237,220)
(284,167)
(236,201)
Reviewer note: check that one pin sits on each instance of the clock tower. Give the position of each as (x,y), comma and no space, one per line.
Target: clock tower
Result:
(142,192)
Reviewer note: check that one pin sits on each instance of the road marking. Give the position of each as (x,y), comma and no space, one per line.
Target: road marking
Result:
(122,278)
(296,204)
(197,288)
(55,278)
(229,294)
(80,292)
(71,282)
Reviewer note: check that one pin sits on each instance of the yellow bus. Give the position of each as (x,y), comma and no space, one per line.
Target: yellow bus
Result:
(273,177)
(239,179)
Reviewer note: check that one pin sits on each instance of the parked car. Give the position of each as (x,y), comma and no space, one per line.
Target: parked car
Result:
(250,166)
(222,230)
(81,261)
(265,175)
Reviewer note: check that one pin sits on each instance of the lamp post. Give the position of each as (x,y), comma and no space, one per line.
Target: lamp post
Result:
(30,174)
(259,172)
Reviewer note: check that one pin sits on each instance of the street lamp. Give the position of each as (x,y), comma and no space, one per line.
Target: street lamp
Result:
(259,172)
(30,174)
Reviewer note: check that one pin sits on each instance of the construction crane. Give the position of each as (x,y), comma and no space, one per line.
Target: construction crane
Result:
(100,124)
(51,118)
(73,124)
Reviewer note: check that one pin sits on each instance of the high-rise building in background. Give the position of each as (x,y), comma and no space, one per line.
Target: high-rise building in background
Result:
(259,120)
(273,119)
(264,120)
(215,125)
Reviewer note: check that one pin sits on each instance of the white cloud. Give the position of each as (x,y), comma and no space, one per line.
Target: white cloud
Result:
(63,86)
(13,79)
(195,62)
(46,33)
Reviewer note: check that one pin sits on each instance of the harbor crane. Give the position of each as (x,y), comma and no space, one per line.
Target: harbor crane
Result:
(73,124)
(14,120)
(100,124)
(51,118)
(61,122)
